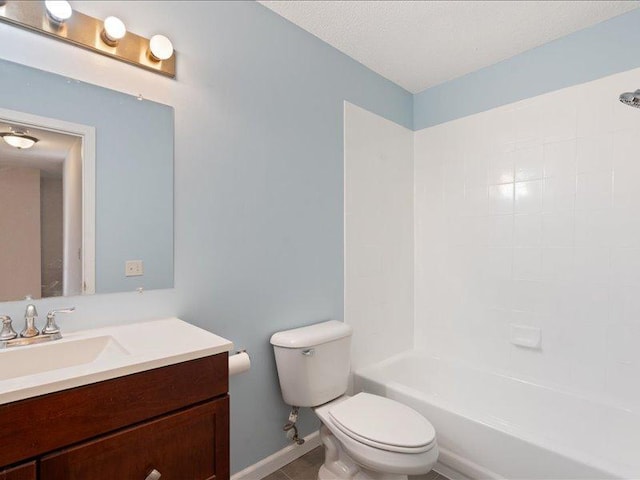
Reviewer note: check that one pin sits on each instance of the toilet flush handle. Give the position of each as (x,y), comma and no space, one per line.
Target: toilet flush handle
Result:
(308,352)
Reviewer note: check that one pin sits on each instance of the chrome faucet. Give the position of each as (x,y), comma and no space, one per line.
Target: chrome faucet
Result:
(30,334)
(30,316)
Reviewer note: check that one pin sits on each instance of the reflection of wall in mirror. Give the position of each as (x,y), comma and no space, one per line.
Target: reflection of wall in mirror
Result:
(128,214)
(19,233)
(41,221)
(72,182)
(51,234)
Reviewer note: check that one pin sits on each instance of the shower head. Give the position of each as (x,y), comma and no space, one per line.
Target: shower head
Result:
(631,98)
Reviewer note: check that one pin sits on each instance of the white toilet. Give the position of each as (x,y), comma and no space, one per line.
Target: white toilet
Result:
(366,437)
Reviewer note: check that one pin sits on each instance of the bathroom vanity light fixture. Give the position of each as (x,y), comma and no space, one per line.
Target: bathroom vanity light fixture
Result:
(113,31)
(57,19)
(160,48)
(58,10)
(19,139)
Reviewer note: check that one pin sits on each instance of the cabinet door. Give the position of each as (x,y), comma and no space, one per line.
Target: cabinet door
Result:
(189,445)
(25,471)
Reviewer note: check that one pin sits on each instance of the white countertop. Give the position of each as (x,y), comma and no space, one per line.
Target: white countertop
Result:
(90,356)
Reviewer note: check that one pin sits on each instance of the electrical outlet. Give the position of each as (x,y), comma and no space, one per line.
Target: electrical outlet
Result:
(133,268)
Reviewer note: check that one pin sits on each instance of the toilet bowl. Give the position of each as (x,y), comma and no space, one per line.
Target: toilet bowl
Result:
(372,437)
(366,437)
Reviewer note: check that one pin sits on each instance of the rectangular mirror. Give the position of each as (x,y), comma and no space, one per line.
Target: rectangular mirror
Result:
(88,206)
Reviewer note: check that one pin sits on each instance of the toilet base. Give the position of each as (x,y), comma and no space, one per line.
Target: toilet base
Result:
(339,466)
(325,474)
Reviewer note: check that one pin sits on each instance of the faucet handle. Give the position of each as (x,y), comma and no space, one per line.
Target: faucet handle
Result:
(51,327)
(7,332)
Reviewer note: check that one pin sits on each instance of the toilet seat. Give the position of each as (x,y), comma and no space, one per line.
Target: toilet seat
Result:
(378,456)
(383,423)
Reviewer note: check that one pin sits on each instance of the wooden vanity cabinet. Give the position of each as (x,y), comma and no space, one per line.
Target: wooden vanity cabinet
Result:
(174,420)
(26,471)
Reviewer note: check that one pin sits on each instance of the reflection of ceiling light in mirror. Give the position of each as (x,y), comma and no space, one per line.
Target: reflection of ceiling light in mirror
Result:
(58,10)
(19,140)
(114,30)
(160,48)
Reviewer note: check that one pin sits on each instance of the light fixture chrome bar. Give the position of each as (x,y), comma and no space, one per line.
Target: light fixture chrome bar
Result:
(86,32)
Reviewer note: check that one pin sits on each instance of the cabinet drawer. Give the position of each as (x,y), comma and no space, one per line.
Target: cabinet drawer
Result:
(188,445)
(26,471)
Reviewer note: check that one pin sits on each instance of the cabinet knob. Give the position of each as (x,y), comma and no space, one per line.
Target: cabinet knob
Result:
(153,475)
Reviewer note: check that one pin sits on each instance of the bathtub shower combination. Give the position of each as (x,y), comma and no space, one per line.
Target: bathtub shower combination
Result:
(488,423)
(500,299)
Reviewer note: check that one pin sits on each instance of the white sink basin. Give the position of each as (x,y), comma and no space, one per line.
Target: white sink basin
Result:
(45,357)
(90,356)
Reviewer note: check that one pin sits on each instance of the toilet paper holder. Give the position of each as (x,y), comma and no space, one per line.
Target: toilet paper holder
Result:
(239,362)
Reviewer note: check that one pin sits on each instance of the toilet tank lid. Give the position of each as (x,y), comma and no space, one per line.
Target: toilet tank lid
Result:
(311,335)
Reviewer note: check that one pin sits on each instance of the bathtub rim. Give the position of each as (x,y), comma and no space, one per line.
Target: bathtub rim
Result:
(555,388)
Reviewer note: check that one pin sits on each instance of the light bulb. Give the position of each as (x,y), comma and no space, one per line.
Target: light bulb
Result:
(58,10)
(114,30)
(160,48)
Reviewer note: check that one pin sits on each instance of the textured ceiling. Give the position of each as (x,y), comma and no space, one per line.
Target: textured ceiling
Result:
(418,44)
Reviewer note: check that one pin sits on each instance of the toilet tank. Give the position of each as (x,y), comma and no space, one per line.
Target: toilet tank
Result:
(313,362)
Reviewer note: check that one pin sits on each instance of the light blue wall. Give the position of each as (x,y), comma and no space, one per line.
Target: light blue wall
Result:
(260,196)
(604,49)
(134,169)
(258,190)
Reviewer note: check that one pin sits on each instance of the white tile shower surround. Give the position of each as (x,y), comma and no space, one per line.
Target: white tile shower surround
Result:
(378,235)
(524,215)
(529,214)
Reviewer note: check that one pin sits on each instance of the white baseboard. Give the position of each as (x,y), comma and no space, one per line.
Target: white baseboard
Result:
(274,462)
(455,467)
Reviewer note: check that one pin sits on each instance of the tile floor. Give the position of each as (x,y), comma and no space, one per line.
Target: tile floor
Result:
(307,466)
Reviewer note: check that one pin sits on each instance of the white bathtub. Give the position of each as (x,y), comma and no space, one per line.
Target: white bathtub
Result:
(493,426)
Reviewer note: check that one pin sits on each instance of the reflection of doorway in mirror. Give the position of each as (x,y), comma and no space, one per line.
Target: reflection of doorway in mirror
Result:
(46,218)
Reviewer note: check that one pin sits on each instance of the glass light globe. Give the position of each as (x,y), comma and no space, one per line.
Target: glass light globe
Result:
(161,47)
(114,28)
(59,10)
(20,141)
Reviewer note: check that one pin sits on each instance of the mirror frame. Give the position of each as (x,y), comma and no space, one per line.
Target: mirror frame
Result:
(88,135)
